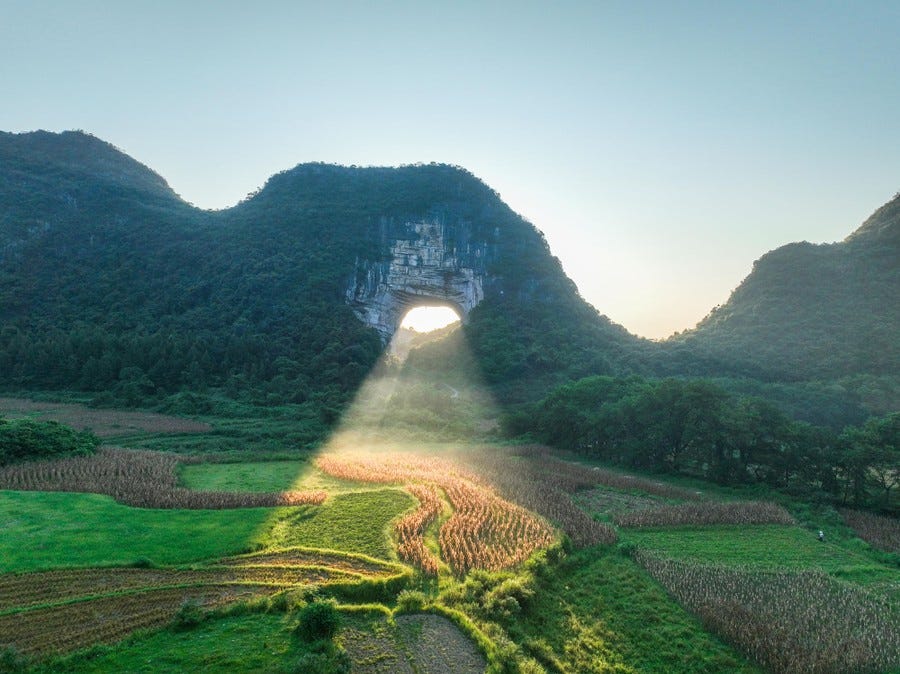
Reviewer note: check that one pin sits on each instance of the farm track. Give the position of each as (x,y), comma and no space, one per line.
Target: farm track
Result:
(54,612)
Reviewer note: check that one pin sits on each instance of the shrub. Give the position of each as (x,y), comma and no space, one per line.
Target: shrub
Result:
(509,597)
(189,616)
(11,660)
(411,601)
(325,661)
(143,563)
(318,620)
(26,439)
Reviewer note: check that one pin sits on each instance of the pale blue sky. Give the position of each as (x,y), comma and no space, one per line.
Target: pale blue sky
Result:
(660,146)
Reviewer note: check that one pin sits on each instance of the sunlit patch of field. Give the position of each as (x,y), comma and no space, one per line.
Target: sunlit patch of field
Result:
(104,423)
(261,476)
(358,521)
(484,531)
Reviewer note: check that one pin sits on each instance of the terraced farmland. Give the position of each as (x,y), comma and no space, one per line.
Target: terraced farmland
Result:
(53,612)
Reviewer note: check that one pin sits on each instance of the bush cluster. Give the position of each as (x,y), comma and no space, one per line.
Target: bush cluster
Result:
(26,439)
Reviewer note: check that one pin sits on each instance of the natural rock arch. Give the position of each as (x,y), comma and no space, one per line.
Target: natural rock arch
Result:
(425,269)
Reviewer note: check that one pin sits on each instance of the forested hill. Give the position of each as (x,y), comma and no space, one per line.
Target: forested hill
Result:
(109,282)
(815,311)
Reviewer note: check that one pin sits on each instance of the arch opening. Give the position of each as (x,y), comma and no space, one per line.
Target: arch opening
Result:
(428,318)
(423,323)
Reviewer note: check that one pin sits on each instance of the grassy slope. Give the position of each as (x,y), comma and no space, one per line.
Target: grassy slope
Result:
(768,546)
(44,530)
(600,613)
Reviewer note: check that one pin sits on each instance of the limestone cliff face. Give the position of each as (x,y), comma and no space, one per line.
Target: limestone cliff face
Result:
(428,263)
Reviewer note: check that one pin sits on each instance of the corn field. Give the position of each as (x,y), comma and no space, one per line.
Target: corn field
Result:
(797,623)
(543,486)
(145,479)
(68,627)
(411,528)
(707,512)
(485,531)
(572,476)
(877,530)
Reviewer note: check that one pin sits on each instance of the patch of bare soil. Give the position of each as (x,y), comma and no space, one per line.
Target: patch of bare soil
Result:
(416,644)
(437,646)
(375,651)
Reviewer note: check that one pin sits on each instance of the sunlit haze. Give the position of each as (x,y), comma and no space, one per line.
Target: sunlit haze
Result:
(427,319)
(661,147)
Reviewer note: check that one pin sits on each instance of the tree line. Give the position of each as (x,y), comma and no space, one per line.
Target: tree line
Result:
(697,428)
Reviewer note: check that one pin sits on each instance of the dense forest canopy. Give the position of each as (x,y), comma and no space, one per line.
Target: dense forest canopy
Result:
(112,285)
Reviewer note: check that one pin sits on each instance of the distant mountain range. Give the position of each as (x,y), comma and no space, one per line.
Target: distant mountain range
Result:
(110,282)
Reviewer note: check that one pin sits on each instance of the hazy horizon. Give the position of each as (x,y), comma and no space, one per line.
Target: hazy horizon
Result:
(661,149)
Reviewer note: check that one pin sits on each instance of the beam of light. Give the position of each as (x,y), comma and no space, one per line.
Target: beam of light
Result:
(429,399)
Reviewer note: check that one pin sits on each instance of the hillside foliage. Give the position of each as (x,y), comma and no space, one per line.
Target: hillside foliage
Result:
(26,440)
(697,428)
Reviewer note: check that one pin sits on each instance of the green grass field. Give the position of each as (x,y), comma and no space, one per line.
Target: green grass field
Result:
(762,546)
(249,643)
(261,476)
(599,612)
(769,547)
(44,530)
(352,522)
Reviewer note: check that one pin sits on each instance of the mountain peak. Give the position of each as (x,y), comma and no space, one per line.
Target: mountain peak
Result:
(883,226)
(82,153)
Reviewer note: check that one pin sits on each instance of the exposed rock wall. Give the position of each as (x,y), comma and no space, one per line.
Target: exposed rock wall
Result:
(431,265)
